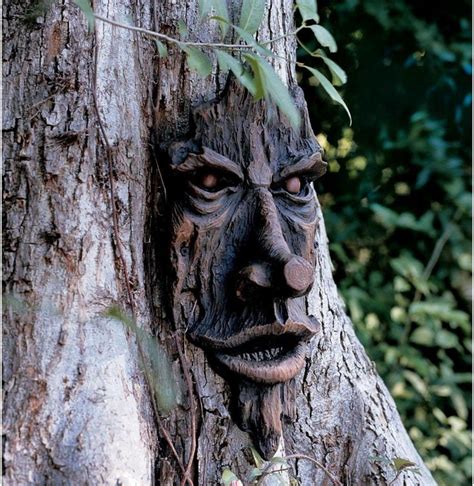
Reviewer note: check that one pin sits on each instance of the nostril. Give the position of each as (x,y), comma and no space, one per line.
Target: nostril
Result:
(251,279)
(298,274)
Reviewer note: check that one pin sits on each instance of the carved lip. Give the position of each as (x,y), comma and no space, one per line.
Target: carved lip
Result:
(266,354)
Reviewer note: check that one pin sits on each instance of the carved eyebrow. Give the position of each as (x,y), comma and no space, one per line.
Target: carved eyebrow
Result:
(313,167)
(208,159)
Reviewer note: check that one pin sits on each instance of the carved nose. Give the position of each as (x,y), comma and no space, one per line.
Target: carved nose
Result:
(280,273)
(292,279)
(253,280)
(298,275)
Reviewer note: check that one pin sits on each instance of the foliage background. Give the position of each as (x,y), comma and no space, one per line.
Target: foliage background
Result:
(397,205)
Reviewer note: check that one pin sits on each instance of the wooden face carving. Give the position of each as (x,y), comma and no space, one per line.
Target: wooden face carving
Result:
(242,222)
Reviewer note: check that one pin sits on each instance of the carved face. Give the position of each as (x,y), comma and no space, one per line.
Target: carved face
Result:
(243,220)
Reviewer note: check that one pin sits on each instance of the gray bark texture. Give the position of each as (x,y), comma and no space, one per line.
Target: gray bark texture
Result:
(77,407)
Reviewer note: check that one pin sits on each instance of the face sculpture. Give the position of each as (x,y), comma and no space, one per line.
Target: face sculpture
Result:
(242,218)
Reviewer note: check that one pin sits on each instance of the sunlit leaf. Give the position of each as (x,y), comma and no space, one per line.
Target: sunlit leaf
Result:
(257,458)
(424,336)
(308,10)
(198,61)
(251,15)
(399,464)
(330,90)
(86,8)
(228,476)
(446,339)
(254,474)
(459,404)
(417,382)
(324,37)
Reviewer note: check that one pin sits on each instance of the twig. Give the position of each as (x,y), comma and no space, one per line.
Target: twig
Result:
(283,36)
(172,40)
(192,405)
(395,478)
(318,464)
(437,250)
(267,472)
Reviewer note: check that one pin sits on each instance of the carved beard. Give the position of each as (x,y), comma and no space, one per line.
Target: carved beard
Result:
(243,220)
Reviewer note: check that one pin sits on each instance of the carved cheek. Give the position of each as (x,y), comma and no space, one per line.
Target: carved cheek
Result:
(299,234)
(182,244)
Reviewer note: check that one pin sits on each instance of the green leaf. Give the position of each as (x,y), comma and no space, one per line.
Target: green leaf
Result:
(254,474)
(220,6)
(399,464)
(279,460)
(205,7)
(330,90)
(460,405)
(249,40)
(228,476)
(86,8)
(226,62)
(182,29)
(382,459)
(251,15)
(259,77)
(197,61)
(339,76)
(246,37)
(324,37)
(220,9)
(154,360)
(446,339)
(257,458)
(162,49)
(308,10)
(418,383)
(268,82)
(424,336)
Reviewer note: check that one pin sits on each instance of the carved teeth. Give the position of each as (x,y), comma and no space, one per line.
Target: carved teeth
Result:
(264,355)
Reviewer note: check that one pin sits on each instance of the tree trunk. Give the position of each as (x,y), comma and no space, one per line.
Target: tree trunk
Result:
(79,238)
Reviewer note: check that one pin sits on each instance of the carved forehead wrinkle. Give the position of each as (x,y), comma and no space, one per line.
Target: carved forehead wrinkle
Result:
(259,171)
(208,158)
(314,166)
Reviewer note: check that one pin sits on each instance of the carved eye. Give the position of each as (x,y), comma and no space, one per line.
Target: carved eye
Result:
(292,185)
(209,181)
(212,181)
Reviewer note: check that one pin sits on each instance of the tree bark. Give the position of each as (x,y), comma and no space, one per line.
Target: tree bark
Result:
(77,407)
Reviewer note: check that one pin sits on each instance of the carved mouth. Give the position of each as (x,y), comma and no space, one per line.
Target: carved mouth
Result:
(267,354)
